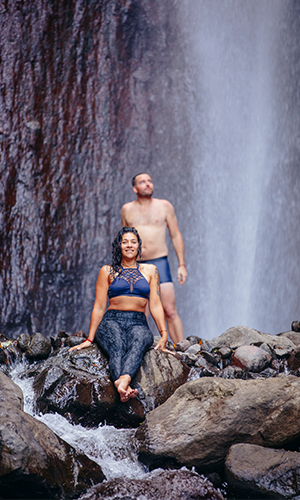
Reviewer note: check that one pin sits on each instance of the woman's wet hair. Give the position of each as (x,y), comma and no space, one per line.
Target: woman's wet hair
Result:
(116,257)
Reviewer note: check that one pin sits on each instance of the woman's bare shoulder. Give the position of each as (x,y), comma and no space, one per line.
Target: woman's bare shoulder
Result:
(149,269)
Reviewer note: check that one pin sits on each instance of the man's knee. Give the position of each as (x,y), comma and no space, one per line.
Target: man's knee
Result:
(170,312)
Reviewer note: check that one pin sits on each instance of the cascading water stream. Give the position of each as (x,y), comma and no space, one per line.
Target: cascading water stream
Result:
(111,448)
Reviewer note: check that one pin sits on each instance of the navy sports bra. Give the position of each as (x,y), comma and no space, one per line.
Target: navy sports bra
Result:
(129,282)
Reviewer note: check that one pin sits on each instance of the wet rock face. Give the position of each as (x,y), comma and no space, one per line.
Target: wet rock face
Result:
(79,81)
(33,459)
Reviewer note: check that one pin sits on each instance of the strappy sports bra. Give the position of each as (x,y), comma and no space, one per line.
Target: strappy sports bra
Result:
(129,282)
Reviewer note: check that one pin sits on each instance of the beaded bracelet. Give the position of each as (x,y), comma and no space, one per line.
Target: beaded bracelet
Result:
(181,265)
(91,341)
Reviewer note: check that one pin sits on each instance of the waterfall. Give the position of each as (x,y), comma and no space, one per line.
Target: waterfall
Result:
(203,95)
(244,111)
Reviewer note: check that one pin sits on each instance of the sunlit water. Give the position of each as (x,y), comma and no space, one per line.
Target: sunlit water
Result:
(113,449)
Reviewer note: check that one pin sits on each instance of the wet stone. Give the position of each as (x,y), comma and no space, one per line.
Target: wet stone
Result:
(73,340)
(189,358)
(296,326)
(23,341)
(234,372)
(194,340)
(194,349)
(207,346)
(214,359)
(39,347)
(224,352)
(183,345)
(2,356)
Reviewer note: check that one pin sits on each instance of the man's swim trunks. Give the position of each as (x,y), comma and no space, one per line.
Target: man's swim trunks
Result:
(163,267)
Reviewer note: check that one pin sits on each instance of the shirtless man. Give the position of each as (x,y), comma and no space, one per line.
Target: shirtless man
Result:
(151,217)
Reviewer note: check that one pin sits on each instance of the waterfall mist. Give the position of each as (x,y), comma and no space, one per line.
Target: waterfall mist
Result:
(242,243)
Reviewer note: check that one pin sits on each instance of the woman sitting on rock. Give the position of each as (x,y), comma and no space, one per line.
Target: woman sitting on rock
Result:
(122,331)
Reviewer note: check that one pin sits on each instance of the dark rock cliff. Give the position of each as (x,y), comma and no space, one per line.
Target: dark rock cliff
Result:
(89,97)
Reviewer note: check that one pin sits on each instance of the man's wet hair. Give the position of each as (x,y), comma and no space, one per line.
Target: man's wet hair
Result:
(136,175)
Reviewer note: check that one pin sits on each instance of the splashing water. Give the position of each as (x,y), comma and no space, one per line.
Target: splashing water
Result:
(113,449)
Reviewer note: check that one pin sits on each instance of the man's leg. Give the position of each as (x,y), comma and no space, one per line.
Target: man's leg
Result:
(175,328)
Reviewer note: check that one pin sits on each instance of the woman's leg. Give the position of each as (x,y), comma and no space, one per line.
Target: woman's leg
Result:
(111,339)
(139,340)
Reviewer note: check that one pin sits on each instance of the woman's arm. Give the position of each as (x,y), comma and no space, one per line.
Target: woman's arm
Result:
(156,308)
(99,307)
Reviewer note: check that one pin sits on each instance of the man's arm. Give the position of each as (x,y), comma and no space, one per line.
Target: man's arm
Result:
(123,216)
(177,241)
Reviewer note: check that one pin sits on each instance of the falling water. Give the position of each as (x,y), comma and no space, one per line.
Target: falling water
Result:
(243,238)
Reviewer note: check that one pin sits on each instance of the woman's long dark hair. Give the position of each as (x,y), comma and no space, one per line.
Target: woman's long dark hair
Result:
(116,257)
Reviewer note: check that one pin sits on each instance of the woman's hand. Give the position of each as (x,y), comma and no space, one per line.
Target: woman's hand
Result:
(84,344)
(161,344)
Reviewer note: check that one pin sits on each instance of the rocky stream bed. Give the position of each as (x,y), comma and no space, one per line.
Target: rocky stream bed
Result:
(213,419)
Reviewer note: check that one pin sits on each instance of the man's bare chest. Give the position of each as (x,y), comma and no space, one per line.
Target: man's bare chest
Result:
(141,217)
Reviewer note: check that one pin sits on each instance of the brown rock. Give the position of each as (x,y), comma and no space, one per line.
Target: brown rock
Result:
(198,424)
(256,469)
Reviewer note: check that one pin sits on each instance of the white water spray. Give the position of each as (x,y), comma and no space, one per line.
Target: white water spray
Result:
(113,449)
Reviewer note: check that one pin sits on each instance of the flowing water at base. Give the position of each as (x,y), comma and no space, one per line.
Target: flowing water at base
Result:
(113,449)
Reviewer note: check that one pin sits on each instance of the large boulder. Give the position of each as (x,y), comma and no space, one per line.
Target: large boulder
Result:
(262,470)
(159,484)
(33,458)
(78,385)
(238,336)
(198,424)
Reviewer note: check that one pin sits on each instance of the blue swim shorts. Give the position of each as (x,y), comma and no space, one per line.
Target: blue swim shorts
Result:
(163,267)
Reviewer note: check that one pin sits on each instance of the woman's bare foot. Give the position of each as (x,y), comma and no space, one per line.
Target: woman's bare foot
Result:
(124,389)
(132,393)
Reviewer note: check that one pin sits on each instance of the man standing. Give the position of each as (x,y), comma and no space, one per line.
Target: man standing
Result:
(151,217)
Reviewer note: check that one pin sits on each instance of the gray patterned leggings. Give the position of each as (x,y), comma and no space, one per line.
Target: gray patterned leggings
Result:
(125,337)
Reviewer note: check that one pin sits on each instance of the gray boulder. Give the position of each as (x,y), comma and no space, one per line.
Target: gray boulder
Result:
(198,424)
(242,335)
(158,485)
(251,358)
(262,470)
(33,458)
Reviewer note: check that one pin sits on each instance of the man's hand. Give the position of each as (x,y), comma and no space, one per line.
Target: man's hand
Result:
(181,274)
